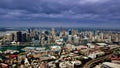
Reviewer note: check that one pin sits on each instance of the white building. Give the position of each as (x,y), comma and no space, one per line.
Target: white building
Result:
(110,65)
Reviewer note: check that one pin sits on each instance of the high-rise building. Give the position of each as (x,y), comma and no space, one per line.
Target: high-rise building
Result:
(70,38)
(18,36)
(53,35)
(102,37)
(9,37)
(119,38)
(29,31)
(24,37)
(70,32)
(76,39)
(13,36)
(28,38)
(53,31)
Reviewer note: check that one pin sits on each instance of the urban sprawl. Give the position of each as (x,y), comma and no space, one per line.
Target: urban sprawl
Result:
(59,48)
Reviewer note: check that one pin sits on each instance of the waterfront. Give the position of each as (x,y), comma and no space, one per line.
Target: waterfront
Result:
(55,48)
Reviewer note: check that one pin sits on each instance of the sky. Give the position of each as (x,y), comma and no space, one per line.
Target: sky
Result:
(60,13)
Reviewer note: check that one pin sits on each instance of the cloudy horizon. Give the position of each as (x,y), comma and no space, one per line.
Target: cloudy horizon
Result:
(56,13)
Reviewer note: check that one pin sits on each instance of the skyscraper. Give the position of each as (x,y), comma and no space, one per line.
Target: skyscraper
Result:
(70,32)
(24,37)
(18,36)
(9,37)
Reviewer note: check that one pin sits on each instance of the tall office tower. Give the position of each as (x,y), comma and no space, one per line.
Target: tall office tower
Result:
(60,34)
(29,31)
(70,38)
(13,36)
(70,32)
(53,31)
(98,39)
(53,35)
(24,37)
(112,38)
(119,38)
(9,37)
(90,35)
(109,39)
(18,36)
(41,39)
(28,38)
(94,35)
(116,38)
(93,39)
(76,39)
(48,39)
(102,37)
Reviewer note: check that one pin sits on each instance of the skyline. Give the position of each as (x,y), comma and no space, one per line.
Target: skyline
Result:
(65,13)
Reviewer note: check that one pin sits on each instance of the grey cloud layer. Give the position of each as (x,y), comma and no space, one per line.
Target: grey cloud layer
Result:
(78,10)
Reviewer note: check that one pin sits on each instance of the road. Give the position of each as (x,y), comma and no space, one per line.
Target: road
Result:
(91,62)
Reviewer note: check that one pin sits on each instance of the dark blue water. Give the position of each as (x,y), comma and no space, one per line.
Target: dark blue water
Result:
(10,47)
(14,47)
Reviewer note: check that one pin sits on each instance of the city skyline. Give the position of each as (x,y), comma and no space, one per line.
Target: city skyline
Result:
(65,13)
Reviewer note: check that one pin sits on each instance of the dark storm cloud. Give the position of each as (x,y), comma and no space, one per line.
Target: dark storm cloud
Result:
(99,11)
